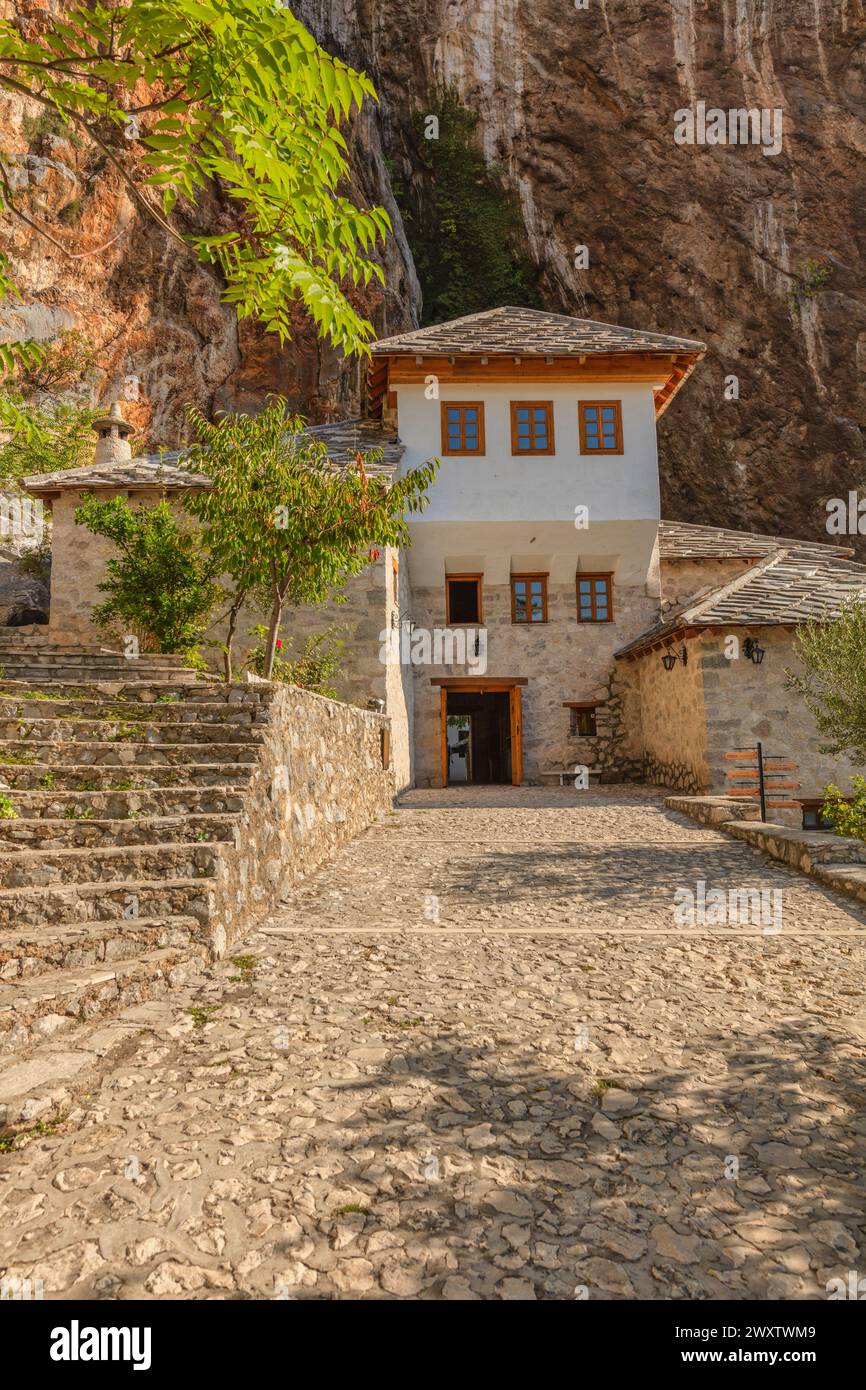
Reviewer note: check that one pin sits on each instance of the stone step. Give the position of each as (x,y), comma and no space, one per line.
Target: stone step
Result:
(18,835)
(140,692)
(36,705)
(128,804)
(69,673)
(110,730)
(26,952)
(93,777)
(106,902)
(52,1002)
(44,654)
(43,868)
(117,753)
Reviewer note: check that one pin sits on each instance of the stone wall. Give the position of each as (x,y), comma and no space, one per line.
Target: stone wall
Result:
(77,567)
(562,659)
(673,736)
(319,781)
(745,703)
(683,580)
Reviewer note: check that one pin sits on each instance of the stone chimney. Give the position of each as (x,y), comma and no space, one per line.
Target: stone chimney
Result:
(112,444)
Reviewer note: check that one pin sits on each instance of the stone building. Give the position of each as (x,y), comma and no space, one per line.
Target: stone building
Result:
(544,617)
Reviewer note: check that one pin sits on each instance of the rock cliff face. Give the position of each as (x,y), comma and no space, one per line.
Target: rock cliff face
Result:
(759,255)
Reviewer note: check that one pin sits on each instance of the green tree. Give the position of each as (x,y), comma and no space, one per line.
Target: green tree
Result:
(180,95)
(281,515)
(61,437)
(465,230)
(161,584)
(833,679)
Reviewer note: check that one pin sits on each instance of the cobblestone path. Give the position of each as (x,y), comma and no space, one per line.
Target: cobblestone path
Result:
(475,1057)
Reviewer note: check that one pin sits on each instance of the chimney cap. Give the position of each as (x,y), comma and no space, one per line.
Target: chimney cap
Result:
(113,421)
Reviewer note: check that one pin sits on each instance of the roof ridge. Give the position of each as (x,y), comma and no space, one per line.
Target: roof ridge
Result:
(734,585)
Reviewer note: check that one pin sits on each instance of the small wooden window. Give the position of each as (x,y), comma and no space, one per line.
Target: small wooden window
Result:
(583,721)
(600,427)
(594,598)
(462,427)
(529,598)
(463,598)
(532,427)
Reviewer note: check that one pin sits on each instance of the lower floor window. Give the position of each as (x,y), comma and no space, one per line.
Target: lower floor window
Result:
(583,721)
(529,598)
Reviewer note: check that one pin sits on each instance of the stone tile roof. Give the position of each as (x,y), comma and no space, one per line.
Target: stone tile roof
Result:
(344,437)
(680,540)
(161,470)
(788,587)
(529,332)
(147,470)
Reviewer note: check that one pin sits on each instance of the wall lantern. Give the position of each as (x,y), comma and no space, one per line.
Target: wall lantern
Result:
(753,650)
(403,620)
(670,659)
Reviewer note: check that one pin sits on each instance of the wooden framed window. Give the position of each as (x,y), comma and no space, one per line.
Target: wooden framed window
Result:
(532,427)
(463,599)
(595,598)
(462,427)
(529,598)
(600,427)
(582,722)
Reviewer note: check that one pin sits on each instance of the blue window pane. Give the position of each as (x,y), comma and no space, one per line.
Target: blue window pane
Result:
(608,413)
(591,413)
(601,586)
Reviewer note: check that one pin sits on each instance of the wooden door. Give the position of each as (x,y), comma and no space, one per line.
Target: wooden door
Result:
(443,734)
(514,708)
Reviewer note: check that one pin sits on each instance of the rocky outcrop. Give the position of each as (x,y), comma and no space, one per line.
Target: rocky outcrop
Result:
(759,255)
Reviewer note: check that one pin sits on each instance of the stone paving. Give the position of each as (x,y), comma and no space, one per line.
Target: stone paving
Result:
(475,1058)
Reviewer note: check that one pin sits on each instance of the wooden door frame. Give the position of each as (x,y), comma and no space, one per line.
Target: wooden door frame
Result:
(472,685)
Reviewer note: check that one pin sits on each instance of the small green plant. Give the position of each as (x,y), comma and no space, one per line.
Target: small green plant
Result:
(7,809)
(847,815)
(202,1014)
(47,781)
(247,967)
(12,759)
(605,1083)
(10,1143)
(812,277)
(127,732)
(78,812)
(202,836)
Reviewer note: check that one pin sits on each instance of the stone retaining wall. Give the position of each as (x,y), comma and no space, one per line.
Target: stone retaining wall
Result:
(319,781)
(838,862)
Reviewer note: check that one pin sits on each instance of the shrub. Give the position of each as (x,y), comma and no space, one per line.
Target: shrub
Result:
(311,669)
(847,817)
(161,583)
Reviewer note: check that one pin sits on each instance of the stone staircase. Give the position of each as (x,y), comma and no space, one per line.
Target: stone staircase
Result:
(156,815)
(128,780)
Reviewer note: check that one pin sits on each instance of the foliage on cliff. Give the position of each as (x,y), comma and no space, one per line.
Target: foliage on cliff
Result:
(465,230)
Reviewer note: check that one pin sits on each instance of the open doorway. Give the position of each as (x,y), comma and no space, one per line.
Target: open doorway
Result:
(478,736)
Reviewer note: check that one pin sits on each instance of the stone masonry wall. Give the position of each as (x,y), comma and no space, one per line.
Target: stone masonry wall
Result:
(683,580)
(672,719)
(562,659)
(745,702)
(319,781)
